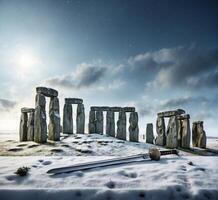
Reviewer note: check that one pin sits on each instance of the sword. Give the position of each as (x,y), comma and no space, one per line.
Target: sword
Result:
(153,154)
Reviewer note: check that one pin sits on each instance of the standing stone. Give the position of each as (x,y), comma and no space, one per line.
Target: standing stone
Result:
(99,123)
(110,123)
(80,119)
(198,135)
(160,129)
(54,127)
(172,133)
(133,127)
(40,125)
(92,122)
(149,133)
(68,119)
(121,126)
(30,127)
(23,127)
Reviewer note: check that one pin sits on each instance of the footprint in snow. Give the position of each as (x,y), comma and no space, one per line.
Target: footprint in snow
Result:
(47,162)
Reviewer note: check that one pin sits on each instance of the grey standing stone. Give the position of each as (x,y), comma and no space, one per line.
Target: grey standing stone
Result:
(160,129)
(198,135)
(68,119)
(54,127)
(40,125)
(99,122)
(92,122)
(23,127)
(149,133)
(110,123)
(121,126)
(133,127)
(80,119)
(172,133)
(30,127)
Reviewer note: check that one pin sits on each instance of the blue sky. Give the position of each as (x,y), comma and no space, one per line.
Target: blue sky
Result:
(155,55)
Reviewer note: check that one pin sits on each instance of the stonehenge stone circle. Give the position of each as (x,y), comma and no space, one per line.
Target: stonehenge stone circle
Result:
(68,119)
(23,126)
(54,127)
(92,122)
(133,127)
(48,92)
(40,125)
(30,126)
(99,122)
(80,119)
(198,135)
(172,133)
(160,129)
(121,125)
(110,123)
(149,133)
(171,113)
(73,101)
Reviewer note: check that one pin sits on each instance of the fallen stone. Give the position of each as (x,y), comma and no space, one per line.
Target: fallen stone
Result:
(27,110)
(149,133)
(121,126)
(48,92)
(73,101)
(110,124)
(30,127)
(99,122)
(128,109)
(172,133)
(23,127)
(160,129)
(54,127)
(92,122)
(133,127)
(68,119)
(171,113)
(80,119)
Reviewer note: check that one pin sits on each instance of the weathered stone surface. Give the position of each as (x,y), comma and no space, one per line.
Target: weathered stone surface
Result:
(160,129)
(110,123)
(184,132)
(68,119)
(27,110)
(48,92)
(95,108)
(40,125)
(184,116)
(105,108)
(23,127)
(128,109)
(115,109)
(121,126)
(99,122)
(30,127)
(198,135)
(149,133)
(172,133)
(73,101)
(92,122)
(171,113)
(133,127)
(54,127)
(80,119)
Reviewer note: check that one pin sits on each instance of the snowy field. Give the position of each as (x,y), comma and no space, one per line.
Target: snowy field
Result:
(188,176)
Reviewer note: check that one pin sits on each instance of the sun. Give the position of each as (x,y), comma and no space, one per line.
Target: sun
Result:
(26,60)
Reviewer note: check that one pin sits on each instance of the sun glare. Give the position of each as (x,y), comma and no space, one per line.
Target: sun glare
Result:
(26,60)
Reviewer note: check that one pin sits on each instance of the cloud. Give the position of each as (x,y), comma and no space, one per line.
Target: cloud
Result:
(85,75)
(6,105)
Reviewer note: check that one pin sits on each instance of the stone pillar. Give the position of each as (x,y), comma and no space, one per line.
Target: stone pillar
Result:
(30,127)
(99,123)
(121,125)
(172,133)
(92,122)
(40,125)
(80,119)
(23,126)
(149,133)
(54,127)
(110,123)
(68,119)
(160,129)
(198,135)
(133,127)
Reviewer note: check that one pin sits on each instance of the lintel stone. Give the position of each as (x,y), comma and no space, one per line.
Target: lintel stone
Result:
(48,92)
(171,113)
(73,101)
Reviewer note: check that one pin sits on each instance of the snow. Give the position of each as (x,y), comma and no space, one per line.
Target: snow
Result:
(172,177)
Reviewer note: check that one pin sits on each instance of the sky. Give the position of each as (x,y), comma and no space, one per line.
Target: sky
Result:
(154,55)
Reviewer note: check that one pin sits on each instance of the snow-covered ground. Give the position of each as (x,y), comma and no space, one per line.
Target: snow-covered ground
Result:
(172,177)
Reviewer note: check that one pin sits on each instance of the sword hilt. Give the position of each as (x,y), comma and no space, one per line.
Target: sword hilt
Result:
(155,154)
